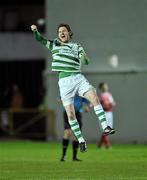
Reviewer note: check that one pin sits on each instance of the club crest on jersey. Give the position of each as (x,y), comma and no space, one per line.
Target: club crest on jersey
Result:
(71,50)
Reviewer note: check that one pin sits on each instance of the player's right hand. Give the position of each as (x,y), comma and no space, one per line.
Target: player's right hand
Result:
(33,27)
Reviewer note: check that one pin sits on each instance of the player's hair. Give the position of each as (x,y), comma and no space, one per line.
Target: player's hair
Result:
(101,84)
(67,27)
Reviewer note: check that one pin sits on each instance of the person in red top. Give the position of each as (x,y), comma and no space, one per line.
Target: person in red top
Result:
(108,104)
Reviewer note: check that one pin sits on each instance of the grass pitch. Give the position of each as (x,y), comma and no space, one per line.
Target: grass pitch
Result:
(25,160)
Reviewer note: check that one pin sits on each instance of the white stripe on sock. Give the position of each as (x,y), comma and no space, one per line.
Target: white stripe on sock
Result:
(101,117)
(71,122)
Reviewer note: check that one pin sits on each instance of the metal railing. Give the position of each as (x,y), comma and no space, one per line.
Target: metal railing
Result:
(27,123)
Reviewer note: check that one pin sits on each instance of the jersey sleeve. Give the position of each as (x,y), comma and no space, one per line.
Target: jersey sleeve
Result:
(43,40)
(82,55)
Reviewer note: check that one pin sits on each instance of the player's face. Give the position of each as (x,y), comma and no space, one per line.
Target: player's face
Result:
(63,34)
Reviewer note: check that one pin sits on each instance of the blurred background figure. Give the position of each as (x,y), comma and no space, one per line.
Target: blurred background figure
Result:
(108,104)
(17,98)
(12,101)
(5,103)
(81,105)
(42,100)
(49,114)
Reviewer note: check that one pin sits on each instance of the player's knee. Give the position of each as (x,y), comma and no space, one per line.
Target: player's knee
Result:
(71,115)
(94,99)
(67,133)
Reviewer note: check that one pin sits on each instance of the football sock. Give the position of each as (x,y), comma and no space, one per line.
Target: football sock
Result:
(76,130)
(75,145)
(65,143)
(101,116)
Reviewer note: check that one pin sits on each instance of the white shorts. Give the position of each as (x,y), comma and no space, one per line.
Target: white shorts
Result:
(71,85)
(109,118)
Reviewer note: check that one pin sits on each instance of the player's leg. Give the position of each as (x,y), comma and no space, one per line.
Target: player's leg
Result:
(98,109)
(75,146)
(75,126)
(73,122)
(88,91)
(101,142)
(66,136)
(109,117)
(65,142)
(75,143)
(105,140)
(67,92)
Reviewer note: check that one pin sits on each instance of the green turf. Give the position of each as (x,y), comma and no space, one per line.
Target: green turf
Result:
(40,161)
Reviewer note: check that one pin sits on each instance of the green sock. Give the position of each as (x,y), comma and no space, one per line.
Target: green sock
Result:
(101,116)
(76,130)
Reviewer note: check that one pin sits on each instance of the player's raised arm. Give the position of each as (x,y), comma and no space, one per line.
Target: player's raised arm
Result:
(38,36)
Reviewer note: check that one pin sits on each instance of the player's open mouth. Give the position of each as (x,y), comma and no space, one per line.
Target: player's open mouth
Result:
(63,36)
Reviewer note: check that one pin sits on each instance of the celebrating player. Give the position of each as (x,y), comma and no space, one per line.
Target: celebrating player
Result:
(67,59)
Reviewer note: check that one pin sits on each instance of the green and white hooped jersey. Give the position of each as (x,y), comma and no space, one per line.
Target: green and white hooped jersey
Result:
(66,56)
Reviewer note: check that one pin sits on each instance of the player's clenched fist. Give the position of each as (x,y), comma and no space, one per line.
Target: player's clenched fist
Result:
(33,27)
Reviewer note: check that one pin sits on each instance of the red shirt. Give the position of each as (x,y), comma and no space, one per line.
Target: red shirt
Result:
(107,101)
